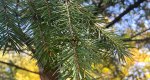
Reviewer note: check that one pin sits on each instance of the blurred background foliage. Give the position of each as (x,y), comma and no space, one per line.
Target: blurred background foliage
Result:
(133,28)
(137,68)
(8,72)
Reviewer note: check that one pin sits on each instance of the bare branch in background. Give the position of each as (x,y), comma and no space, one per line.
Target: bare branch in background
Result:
(140,33)
(131,7)
(18,67)
(138,40)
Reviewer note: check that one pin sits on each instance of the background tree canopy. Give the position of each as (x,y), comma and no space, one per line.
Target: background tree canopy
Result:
(76,39)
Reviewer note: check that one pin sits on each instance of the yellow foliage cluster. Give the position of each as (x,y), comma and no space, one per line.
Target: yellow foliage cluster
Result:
(22,61)
(101,72)
(106,72)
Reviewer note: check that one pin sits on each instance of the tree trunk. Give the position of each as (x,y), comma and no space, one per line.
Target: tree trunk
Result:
(50,75)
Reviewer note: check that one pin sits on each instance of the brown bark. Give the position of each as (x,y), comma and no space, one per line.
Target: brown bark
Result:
(49,75)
